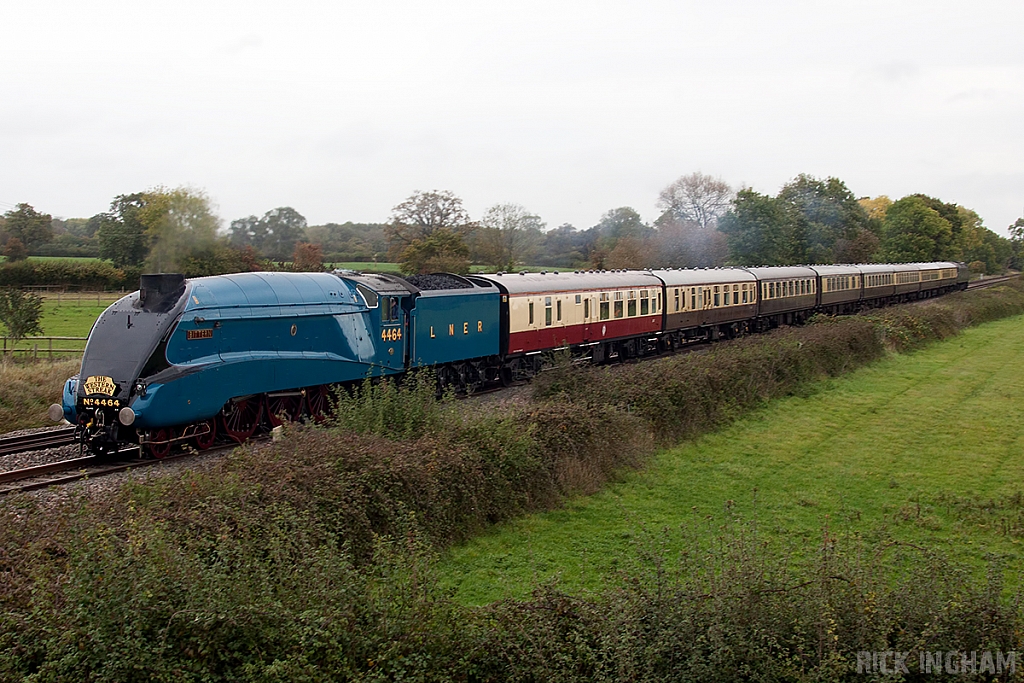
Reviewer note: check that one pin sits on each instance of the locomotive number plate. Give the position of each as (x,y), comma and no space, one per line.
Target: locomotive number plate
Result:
(391,334)
(99,384)
(199,334)
(101,403)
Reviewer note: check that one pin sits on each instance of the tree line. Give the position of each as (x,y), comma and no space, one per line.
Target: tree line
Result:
(703,222)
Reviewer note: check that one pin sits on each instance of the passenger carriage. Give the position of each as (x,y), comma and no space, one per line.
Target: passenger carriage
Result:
(787,295)
(840,288)
(707,303)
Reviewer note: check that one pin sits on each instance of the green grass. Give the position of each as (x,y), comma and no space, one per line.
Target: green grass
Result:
(69,316)
(925,446)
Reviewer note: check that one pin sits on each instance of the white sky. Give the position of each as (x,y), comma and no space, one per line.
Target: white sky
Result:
(343,109)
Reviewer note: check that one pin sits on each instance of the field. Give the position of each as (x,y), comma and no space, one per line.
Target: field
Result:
(66,315)
(924,446)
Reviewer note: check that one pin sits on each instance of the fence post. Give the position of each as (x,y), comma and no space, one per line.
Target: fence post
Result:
(51,348)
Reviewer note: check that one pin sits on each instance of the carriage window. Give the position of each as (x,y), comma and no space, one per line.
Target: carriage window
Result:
(632,307)
(558,304)
(547,310)
(645,305)
(604,310)
(618,308)
(531,312)
(693,298)
(718,297)
(745,294)
(578,298)
(735,294)
(586,308)
(677,300)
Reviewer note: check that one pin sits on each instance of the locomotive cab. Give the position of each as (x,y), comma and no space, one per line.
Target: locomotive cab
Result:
(126,343)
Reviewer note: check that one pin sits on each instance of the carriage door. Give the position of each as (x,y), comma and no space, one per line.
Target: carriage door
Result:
(588,311)
(394,333)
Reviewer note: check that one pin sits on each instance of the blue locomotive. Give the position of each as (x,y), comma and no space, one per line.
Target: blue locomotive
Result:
(191,361)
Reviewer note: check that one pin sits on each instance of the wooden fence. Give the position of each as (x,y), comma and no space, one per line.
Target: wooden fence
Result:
(31,345)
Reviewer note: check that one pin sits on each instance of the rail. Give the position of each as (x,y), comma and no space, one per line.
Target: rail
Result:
(37,440)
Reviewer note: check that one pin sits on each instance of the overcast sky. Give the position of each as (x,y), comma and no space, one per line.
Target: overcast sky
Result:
(342,109)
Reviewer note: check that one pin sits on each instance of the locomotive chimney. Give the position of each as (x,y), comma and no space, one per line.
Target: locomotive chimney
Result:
(158,292)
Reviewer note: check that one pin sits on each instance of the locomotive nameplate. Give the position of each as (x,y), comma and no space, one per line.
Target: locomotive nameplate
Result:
(199,334)
(99,384)
(101,403)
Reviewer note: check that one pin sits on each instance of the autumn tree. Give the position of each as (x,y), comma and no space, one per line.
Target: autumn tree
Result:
(421,215)
(697,198)
(508,236)
(308,258)
(442,251)
(14,250)
(28,225)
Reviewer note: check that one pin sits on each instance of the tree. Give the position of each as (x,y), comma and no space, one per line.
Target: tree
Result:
(20,313)
(308,258)
(28,225)
(916,232)
(274,235)
(15,250)
(826,212)
(684,244)
(761,230)
(285,227)
(178,222)
(508,236)
(421,215)
(442,251)
(1017,243)
(696,198)
(122,231)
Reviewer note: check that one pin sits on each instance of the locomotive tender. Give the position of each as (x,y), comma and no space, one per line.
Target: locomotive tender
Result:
(220,357)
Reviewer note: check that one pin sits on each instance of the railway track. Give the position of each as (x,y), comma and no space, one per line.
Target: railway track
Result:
(991,282)
(37,441)
(88,467)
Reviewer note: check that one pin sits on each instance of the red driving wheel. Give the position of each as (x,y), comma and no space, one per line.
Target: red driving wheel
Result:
(318,402)
(160,442)
(281,409)
(240,418)
(207,434)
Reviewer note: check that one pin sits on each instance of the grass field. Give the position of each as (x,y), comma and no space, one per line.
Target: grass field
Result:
(70,315)
(926,447)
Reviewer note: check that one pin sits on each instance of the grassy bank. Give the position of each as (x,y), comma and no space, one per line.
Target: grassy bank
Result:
(924,447)
(27,389)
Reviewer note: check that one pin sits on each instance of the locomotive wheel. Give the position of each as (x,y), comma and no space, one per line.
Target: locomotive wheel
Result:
(160,450)
(281,409)
(240,418)
(318,402)
(204,441)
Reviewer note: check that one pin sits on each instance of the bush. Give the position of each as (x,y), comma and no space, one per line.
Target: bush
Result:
(77,274)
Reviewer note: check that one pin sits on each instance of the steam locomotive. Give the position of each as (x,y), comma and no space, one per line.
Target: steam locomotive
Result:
(193,361)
